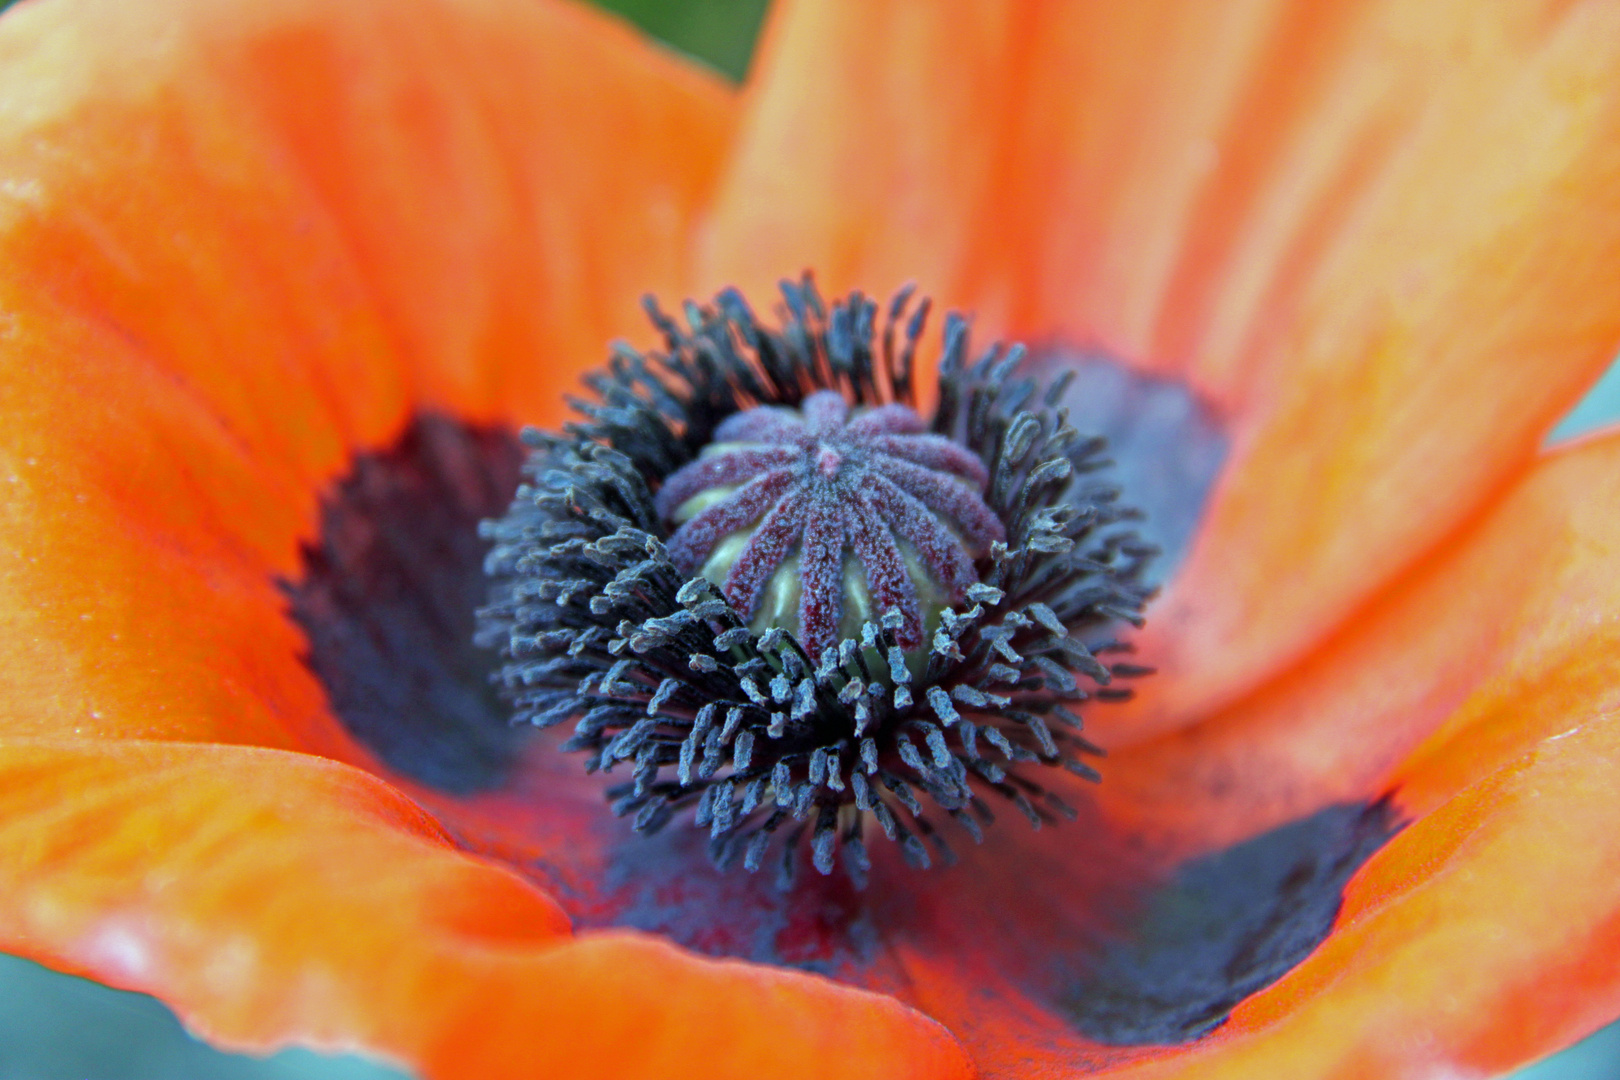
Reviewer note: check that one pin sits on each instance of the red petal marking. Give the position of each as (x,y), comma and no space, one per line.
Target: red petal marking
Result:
(821,572)
(693,541)
(765,551)
(886,420)
(825,412)
(940,550)
(948,498)
(768,423)
(886,578)
(722,470)
(938,453)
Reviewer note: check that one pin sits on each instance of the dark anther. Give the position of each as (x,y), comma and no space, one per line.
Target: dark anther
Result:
(755,579)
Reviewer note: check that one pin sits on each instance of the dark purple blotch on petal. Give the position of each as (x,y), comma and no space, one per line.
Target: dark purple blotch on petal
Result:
(1127,955)
(386,599)
(1220,928)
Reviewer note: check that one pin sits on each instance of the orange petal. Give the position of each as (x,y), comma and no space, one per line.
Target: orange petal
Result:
(1482,938)
(1505,636)
(1493,648)
(1378,236)
(865,148)
(242,239)
(1481,688)
(274,898)
(1454,312)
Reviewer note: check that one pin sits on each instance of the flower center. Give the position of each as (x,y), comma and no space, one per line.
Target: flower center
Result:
(773,506)
(758,578)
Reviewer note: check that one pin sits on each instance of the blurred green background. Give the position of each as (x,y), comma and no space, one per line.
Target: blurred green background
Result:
(718,32)
(56,1027)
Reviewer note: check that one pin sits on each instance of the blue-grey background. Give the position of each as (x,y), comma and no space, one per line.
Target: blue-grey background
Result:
(56,1027)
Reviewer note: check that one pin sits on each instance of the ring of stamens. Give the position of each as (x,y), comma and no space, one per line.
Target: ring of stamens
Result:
(603,618)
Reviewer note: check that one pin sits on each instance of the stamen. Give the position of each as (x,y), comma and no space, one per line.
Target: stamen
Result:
(640,583)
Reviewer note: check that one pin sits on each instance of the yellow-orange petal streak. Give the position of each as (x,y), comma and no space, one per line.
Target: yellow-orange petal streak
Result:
(1378,236)
(273,898)
(243,240)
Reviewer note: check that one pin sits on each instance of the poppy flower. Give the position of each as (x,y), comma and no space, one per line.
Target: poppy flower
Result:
(282,278)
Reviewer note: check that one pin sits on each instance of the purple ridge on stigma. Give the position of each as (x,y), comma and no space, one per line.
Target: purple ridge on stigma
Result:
(823,482)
